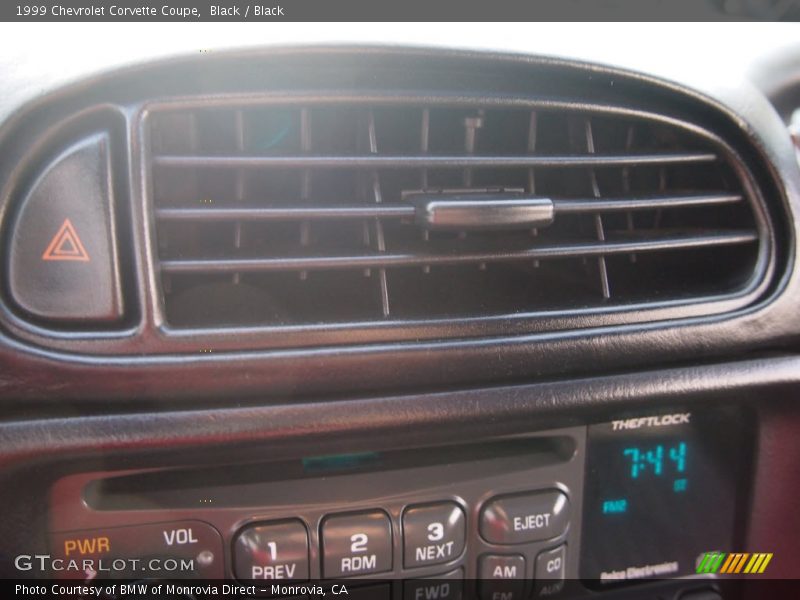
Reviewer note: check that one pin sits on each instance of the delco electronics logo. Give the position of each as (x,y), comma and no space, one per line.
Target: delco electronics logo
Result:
(660,421)
(733,562)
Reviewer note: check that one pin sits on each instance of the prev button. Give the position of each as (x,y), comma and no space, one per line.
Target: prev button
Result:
(521,518)
(272,551)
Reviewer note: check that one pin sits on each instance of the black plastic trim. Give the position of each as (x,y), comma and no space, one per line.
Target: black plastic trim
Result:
(356,424)
(124,365)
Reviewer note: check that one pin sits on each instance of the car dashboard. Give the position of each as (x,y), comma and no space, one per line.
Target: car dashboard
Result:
(502,317)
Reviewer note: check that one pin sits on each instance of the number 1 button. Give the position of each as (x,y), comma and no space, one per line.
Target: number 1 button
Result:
(433,534)
(272,551)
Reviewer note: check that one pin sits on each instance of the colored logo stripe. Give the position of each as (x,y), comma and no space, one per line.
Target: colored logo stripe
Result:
(733,563)
(727,564)
(759,563)
(711,562)
(754,563)
(736,568)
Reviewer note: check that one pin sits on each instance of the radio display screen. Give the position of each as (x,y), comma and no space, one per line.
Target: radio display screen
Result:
(661,490)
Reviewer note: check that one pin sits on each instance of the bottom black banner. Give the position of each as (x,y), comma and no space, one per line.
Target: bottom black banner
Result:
(419,589)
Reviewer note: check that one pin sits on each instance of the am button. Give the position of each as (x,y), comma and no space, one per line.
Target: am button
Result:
(522,518)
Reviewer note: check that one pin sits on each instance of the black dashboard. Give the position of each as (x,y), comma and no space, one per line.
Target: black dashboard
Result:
(419,322)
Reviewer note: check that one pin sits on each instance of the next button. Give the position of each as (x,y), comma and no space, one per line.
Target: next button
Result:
(523,518)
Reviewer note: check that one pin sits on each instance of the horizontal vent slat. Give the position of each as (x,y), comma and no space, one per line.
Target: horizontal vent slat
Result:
(649,203)
(286,213)
(407,260)
(432,161)
(355,211)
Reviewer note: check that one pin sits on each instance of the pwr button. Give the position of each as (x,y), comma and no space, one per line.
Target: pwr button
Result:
(86,546)
(182,549)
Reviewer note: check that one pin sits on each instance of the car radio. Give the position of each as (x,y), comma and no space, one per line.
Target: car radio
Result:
(581,509)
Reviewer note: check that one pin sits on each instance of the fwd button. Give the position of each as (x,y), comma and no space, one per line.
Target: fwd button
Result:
(522,518)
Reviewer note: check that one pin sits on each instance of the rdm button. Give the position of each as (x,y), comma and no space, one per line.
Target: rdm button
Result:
(525,518)
(63,258)
(356,544)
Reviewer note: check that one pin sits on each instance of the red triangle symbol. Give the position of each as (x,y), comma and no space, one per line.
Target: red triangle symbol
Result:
(66,245)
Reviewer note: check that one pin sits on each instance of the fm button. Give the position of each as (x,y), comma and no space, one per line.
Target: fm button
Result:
(502,577)
(522,518)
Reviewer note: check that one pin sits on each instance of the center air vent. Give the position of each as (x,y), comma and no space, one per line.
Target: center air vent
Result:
(310,211)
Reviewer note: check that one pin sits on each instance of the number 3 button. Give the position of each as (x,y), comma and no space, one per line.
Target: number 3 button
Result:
(433,534)
(357,544)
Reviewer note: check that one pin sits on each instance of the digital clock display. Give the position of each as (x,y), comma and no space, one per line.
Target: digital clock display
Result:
(660,490)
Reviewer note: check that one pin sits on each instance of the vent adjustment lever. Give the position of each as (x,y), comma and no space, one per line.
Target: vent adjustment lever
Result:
(469,211)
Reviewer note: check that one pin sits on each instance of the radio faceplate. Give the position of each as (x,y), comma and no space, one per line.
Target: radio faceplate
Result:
(397,515)
(513,517)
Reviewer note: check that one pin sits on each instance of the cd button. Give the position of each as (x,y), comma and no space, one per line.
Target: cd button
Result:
(550,573)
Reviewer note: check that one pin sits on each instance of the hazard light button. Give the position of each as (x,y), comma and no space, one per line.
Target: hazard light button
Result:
(63,256)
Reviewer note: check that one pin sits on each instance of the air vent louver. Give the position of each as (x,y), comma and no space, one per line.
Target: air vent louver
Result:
(298,212)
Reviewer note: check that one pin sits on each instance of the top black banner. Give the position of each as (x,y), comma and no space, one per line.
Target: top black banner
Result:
(398,10)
